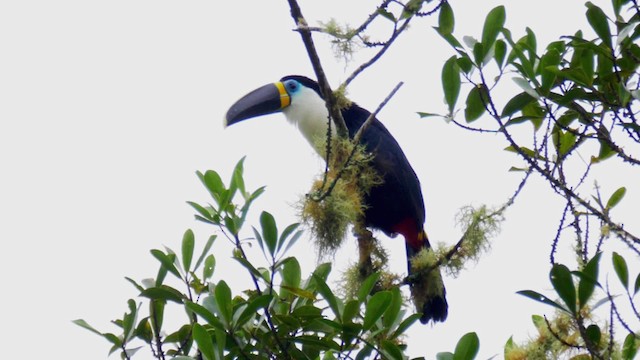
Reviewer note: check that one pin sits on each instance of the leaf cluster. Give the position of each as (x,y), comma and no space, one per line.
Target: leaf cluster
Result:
(283,316)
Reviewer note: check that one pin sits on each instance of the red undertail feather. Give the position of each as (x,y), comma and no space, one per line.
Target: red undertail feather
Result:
(427,289)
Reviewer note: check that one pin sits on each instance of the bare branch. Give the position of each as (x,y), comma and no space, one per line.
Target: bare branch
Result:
(325,88)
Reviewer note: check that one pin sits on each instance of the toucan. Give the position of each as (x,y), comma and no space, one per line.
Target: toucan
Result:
(395,206)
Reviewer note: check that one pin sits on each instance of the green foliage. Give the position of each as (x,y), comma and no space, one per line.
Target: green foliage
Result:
(572,330)
(283,316)
(576,99)
(466,349)
(580,96)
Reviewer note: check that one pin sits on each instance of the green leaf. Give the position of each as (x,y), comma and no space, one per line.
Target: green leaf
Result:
(164,293)
(405,324)
(209,267)
(156,314)
(425,114)
(593,333)
(509,346)
(367,285)
(562,282)
(562,140)
(446,21)
(467,347)
(524,85)
(538,321)
(599,22)
(188,243)
(205,214)
(499,52)
(205,314)
(517,103)
(444,356)
(84,324)
(129,321)
(134,283)
(203,339)
(313,340)
(478,53)
(205,251)
(300,292)
(250,311)
(588,280)
(526,151)
(548,63)
(376,306)
(541,298)
(475,103)
(289,239)
(620,266)
(455,44)
(391,350)
(636,286)
(493,24)
(465,63)
(616,197)
(451,82)
(630,347)
(307,312)
(392,314)
(247,265)
(213,183)
(222,294)
(351,309)
(386,14)
(237,181)
(291,273)
(167,261)
(327,294)
(269,231)
(286,233)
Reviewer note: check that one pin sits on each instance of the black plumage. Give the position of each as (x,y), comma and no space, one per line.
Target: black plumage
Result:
(396,206)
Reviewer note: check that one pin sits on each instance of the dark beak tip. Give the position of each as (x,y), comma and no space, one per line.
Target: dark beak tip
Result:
(262,101)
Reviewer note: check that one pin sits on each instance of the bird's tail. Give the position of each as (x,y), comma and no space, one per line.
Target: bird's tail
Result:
(427,288)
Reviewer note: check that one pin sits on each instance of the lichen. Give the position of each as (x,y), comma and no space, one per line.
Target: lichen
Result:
(479,225)
(335,203)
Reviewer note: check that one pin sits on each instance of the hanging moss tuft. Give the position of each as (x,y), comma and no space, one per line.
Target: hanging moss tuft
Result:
(331,206)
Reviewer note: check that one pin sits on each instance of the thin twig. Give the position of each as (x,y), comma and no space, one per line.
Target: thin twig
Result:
(325,88)
(380,52)
(356,142)
(557,336)
(454,250)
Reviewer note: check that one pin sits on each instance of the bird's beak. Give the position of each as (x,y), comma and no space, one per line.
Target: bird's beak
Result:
(264,100)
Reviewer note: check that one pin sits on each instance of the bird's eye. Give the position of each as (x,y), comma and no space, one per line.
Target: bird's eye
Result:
(291,85)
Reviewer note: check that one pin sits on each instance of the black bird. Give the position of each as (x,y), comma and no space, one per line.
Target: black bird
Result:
(396,206)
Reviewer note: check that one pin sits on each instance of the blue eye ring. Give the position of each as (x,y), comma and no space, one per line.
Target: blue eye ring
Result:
(291,86)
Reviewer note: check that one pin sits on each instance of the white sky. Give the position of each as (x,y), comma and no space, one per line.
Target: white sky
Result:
(107,108)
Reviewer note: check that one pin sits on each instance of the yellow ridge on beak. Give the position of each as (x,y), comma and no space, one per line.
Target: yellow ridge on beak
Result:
(285,100)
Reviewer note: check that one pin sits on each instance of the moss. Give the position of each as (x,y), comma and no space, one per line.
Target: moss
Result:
(332,205)
(352,277)
(479,225)
(546,345)
(343,40)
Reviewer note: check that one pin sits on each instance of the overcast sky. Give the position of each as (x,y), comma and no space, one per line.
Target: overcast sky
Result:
(107,109)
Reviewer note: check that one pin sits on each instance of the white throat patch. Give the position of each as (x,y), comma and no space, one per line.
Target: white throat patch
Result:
(309,114)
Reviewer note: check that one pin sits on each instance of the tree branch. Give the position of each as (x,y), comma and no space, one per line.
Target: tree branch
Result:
(325,88)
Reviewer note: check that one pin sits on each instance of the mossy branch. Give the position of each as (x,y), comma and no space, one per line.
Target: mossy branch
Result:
(479,226)
(322,194)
